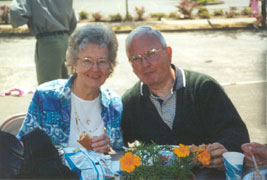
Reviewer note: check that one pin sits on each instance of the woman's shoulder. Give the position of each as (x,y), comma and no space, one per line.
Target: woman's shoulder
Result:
(54,87)
(110,97)
(109,93)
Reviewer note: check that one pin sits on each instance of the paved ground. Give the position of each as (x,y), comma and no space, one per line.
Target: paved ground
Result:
(236,58)
(250,100)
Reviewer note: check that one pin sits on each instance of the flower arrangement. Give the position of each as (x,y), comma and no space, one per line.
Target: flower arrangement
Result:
(152,161)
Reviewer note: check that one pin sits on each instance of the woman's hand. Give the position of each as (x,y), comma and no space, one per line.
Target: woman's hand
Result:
(259,151)
(216,151)
(101,144)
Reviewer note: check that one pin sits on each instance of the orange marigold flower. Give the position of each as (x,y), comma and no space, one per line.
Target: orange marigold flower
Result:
(196,149)
(181,151)
(129,161)
(204,157)
(137,161)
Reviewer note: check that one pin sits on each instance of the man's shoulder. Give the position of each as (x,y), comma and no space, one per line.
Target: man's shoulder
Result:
(194,78)
(132,93)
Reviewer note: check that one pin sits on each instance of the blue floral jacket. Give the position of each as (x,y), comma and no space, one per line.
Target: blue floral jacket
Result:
(50,110)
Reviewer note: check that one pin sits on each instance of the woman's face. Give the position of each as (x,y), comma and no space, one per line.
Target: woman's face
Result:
(93,66)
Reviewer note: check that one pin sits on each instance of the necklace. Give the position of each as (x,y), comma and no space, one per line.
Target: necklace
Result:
(77,120)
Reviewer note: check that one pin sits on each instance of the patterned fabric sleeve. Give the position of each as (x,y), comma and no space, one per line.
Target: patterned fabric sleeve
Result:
(115,131)
(31,120)
(111,105)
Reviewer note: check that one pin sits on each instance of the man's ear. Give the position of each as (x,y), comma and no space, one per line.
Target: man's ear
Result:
(169,52)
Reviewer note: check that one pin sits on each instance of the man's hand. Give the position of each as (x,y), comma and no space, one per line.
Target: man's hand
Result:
(101,144)
(216,160)
(259,151)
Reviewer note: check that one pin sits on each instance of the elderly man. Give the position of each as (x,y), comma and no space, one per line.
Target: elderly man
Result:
(170,105)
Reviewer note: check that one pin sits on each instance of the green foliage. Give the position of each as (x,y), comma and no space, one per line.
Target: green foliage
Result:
(218,12)
(97,16)
(83,15)
(204,2)
(130,18)
(203,12)
(140,13)
(246,11)
(115,17)
(237,13)
(174,15)
(231,13)
(158,15)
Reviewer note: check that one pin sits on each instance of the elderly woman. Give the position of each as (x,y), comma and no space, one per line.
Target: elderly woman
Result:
(66,108)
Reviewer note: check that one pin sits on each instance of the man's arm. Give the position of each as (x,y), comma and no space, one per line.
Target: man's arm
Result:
(223,125)
(128,116)
(20,12)
(222,121)
(126,126)
(73,22)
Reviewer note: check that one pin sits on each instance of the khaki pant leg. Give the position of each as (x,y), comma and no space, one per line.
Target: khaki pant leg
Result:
(50,55)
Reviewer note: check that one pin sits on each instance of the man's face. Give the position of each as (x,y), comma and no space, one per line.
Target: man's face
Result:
(153,65)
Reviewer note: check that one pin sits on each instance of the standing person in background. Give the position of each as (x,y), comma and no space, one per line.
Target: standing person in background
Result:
(255,12)
(51,22)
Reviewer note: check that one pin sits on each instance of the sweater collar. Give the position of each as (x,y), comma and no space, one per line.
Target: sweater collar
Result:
(179,82)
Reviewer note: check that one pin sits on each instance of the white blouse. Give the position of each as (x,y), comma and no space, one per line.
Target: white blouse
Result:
(85,116)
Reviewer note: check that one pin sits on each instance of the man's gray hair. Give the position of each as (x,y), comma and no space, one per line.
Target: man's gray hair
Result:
(91,34)
(147,31)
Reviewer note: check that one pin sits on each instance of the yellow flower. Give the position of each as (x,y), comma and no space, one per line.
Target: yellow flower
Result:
(129,161)
(182,151)
(204,157)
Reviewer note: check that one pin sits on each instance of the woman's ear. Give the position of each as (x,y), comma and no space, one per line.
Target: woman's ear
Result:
(75,66)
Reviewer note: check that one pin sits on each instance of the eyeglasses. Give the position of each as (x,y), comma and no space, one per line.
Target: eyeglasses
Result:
(150,56)
(87,63)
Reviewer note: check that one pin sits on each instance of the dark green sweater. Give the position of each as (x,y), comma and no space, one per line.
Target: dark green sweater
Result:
(204,114)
